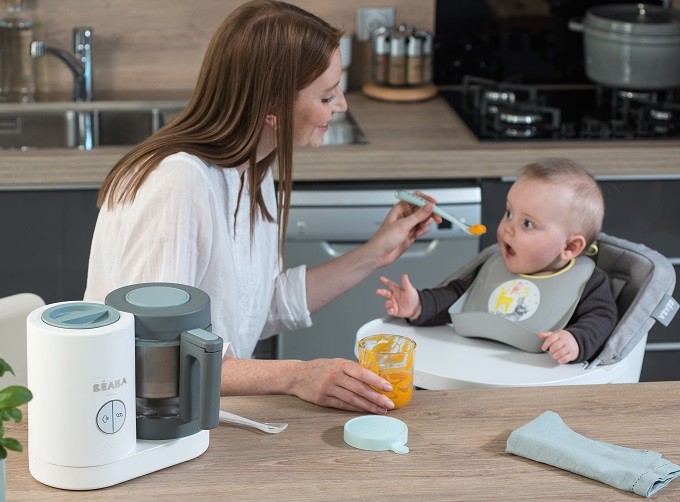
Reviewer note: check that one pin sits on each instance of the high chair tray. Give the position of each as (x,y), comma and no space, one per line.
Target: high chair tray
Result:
(445,360)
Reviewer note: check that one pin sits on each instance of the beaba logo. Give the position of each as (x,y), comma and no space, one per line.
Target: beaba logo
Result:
(104,386)
(668,308)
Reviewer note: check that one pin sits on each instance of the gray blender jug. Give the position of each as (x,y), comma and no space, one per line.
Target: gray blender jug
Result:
(177,360)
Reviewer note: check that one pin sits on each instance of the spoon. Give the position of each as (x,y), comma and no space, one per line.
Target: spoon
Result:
(265,427)
(417,200)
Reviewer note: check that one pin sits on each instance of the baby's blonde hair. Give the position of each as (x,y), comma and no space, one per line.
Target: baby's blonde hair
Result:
(587,199)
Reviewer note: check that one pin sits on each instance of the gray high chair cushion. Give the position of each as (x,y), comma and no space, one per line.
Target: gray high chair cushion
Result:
(642,279)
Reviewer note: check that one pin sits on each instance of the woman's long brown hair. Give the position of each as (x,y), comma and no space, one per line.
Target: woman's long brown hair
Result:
(261,56)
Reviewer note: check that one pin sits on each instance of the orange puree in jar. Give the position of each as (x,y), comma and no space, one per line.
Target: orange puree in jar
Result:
(478,229)
(391,357)
(402,386)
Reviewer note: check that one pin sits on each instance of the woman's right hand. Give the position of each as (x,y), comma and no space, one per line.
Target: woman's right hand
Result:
(342,384)
(402,226)
(400,301)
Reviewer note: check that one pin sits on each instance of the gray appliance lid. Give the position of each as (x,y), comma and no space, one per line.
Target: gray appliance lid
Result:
(162,310)
(80,315)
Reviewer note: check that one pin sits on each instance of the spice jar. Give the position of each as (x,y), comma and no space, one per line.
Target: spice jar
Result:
(396,73)
(427,56)
(381,55)
(414,60)
(401,57)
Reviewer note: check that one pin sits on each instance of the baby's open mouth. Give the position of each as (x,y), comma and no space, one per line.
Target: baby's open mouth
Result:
(508,249)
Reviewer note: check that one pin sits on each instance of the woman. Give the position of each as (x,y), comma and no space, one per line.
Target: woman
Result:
(196,204)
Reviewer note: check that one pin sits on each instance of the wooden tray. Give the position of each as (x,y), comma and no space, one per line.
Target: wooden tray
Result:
(400,94)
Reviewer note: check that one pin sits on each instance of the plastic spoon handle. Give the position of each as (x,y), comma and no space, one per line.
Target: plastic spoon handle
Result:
(225,416)
(417,200)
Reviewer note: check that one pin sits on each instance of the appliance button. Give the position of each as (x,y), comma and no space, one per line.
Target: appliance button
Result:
(118,415)
(105,418)
(111,417)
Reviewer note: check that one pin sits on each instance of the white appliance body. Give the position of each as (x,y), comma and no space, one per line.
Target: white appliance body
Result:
(82,418)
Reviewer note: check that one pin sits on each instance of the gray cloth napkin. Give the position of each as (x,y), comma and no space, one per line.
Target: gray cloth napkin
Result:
(547,439)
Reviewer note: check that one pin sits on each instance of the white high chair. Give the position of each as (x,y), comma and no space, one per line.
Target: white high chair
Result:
(642,282)
(13,312)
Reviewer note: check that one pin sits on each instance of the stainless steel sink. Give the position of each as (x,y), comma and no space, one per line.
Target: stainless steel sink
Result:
(112,123)
(81,125)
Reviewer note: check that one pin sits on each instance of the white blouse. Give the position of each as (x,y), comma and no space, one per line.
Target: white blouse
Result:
(183,227)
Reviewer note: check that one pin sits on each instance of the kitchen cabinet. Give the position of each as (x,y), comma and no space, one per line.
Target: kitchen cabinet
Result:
(638,208)
(46,244)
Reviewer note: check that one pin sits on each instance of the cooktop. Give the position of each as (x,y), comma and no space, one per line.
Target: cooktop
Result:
(508,111)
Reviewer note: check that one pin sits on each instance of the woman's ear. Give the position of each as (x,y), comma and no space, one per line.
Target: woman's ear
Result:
(576,244)
(272,121)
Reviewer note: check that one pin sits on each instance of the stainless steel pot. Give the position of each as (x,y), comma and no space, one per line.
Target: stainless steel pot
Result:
(631,46)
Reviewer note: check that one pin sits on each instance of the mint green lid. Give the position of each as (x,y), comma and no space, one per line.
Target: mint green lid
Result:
(377,433)
(157,296)
(80,315)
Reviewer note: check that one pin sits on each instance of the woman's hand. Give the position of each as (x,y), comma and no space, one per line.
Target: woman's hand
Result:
(400,229)
(343,384)
(400,301)
(561,344)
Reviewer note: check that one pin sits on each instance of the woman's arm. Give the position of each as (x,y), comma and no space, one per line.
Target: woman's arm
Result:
(334,383)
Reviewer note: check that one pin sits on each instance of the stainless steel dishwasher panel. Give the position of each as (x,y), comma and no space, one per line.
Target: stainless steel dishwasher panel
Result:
(324,224)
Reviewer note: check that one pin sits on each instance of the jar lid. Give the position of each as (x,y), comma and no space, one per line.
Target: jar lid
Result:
(398,43)
(414,46)
(427,41)
(377,433)
(634,19)
(381,41)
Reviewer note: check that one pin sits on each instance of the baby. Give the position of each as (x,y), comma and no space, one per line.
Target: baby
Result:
(554,212)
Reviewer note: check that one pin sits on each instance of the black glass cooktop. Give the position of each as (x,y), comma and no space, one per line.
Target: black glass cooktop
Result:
(505,111)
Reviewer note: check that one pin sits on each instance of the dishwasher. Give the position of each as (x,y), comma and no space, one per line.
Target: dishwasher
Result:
(328,221)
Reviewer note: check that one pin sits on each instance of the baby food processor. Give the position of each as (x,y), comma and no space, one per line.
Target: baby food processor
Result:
(121,389)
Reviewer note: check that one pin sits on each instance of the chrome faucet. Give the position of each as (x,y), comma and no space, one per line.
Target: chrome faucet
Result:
(80,63)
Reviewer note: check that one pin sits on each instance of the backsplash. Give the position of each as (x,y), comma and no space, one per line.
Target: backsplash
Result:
(158,45)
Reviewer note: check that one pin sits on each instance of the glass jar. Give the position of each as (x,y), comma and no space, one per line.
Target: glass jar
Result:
(17,77)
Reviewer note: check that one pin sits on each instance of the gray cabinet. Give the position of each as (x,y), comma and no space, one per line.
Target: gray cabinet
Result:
(46,242)
(638,209)
(645,210)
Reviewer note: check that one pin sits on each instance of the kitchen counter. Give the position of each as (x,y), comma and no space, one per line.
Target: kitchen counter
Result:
(406,141)
(457,442)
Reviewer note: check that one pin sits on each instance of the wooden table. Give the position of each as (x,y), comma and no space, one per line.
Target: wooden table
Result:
(457,441)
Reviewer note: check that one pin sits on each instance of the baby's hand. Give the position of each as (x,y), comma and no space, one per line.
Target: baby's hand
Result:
(561,344)
(400,301)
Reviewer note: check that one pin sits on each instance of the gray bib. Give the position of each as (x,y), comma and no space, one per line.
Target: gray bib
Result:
(512,308)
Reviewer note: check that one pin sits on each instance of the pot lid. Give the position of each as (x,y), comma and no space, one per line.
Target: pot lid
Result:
(635,19)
